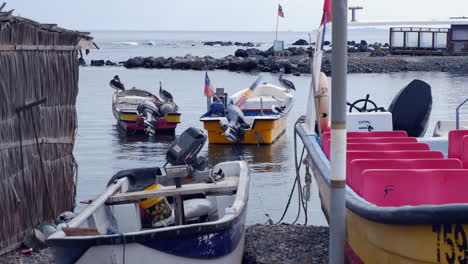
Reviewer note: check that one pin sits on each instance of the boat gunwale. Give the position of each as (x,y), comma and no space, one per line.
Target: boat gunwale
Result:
(225,223)
(402,215)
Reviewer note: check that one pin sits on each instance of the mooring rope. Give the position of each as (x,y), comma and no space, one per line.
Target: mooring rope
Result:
(302,199)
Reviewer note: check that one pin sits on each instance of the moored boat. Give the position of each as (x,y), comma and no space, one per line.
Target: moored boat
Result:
(181,213)
(139,110)
(256,115)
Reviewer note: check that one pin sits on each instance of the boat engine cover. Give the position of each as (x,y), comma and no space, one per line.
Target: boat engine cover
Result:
(185,148)
(411,108)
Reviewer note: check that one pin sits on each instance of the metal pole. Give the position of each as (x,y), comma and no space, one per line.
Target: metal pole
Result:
(277,21)
(338,133)
(458,114)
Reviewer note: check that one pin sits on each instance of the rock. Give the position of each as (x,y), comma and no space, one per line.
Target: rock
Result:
(301,42)
(252,52)
(241,53)
(81,61)
(326,43)
(196,64)
(296,74)
(248,64)
(363,43)
(97,63)
(110,63)
(135,62)
(378,53)
(233,65)
(181,63)
(169,62)
(158,62)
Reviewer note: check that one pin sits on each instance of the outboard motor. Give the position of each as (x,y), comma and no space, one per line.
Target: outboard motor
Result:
(234,129)
(185,148)
(150,112)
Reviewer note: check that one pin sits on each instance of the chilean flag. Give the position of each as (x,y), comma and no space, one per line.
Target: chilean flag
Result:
(280,11)
(208,90)
(327,12)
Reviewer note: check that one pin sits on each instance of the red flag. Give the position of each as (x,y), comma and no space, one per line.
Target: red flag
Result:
(327,12)
(208,90)
(280,11)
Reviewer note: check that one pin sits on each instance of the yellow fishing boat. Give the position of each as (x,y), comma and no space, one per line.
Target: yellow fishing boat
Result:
(260,119)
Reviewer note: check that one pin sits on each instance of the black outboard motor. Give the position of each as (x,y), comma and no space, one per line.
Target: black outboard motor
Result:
(185,148)
(150,112)
(234,130)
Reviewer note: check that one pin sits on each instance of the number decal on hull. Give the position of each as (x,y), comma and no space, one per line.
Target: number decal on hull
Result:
(452,245)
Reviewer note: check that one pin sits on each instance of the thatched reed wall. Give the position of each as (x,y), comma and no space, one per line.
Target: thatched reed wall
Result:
(37,168)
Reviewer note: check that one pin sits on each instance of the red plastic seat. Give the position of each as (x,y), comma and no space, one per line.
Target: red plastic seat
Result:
(378,134)
(327,135)
(382,140)
(455,143)
(358,166)
(465,152)
(325,140)
(415,187)
(403,154)
(387,146)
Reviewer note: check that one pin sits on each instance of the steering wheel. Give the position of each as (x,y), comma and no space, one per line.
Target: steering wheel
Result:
(364,108)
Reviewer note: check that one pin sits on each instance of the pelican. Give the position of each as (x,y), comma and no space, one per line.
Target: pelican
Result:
(165,95)
(286,83)
(116,84)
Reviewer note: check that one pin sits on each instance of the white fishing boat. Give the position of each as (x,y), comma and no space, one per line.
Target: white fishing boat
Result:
(157,225)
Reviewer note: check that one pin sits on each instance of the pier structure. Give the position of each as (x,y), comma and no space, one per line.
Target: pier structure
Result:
(353,12)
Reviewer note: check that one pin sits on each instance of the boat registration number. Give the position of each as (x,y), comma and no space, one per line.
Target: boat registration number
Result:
(452,245)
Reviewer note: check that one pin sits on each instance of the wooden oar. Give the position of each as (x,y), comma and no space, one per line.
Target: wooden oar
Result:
(246,95)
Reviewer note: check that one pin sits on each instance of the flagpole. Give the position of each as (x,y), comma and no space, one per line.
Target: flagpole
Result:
(277,21)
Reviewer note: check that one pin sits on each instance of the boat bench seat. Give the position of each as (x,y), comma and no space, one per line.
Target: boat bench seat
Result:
(267,102)
(382,140)
(387,146)
(395,154)
(415,187)
(374,137)
(358,166)
(465,152)
(455,143)
(327,135)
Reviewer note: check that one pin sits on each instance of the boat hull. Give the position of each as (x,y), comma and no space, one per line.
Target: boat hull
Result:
(217,246)
(374,242)
(130,122)
(263,131)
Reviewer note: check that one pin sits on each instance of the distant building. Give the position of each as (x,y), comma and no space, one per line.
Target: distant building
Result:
(429,41)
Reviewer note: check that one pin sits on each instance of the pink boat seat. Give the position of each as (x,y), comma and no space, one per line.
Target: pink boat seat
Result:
(382,140)
(327,135)
(379,146)
(395,154)
(455,143)
(358,166)
(465,152)
(325,140)
(387,146)
(415,187)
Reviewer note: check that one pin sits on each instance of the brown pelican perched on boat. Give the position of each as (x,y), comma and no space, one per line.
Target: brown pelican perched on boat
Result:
(116,84)
(165,95)
(286,83)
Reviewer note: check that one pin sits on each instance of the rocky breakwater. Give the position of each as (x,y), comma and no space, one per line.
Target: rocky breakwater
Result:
(295,60)
(363,58)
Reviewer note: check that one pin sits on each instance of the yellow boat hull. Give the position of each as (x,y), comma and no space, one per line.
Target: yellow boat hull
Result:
(375,242)
(262,131)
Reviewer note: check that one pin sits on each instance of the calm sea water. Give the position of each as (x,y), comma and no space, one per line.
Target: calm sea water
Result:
(101,150)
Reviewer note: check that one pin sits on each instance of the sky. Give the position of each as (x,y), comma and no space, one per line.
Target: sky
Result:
(223,15)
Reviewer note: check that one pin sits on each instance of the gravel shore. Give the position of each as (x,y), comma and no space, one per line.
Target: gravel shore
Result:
(272,244)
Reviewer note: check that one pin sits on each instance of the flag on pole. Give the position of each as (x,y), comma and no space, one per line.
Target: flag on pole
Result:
(208,88)
(327,12)
(280,11)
